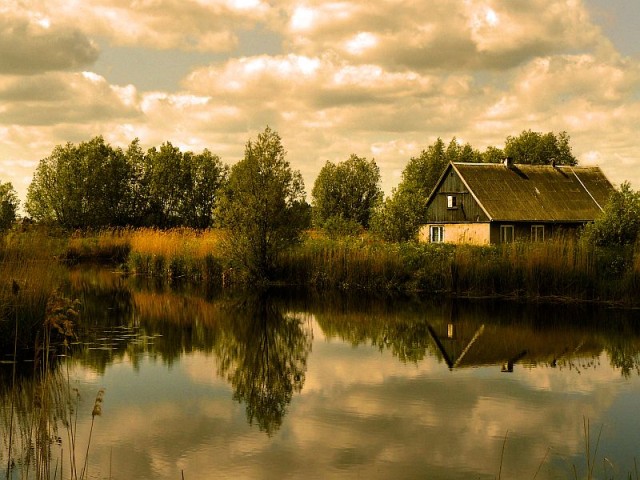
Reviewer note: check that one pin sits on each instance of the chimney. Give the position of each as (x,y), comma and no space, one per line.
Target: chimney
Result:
(508,162)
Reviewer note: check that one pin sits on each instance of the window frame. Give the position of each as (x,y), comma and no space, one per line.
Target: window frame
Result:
(452,202)
(535,233)
(504,238)
(439,238)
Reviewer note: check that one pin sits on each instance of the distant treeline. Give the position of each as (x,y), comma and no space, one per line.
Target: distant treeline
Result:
(95,185)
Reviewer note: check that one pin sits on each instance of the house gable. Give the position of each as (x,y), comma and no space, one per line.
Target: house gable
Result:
(452,201)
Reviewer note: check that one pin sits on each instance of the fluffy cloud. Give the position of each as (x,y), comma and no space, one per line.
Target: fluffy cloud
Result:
(192,25)
(443,34)
(56,98)
(381,79)
(33,45)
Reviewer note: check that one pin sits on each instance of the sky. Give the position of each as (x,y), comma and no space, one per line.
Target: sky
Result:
(381,79)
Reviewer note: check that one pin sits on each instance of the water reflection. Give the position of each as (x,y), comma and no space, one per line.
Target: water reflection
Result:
(263,354)
(344,386)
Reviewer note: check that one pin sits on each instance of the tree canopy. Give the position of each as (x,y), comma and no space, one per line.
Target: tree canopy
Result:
(95,185)
(348,190)
(263,206)
(537,148)
(619,223)
(9,205)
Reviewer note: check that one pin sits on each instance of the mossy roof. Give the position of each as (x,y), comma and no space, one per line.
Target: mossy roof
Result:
(542,193)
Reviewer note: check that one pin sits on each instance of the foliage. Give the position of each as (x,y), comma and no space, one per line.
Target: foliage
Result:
(349,191)
(536,148)
(262,207)
(401,216)
(9,204)
(95,185)
(80,186)
(619,223)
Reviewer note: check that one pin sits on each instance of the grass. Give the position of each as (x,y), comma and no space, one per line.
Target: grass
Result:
(554,270)
(43,403)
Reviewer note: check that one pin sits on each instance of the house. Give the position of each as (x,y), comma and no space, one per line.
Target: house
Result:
(483,203)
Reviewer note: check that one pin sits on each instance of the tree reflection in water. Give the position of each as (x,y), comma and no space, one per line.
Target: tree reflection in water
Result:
(263,353)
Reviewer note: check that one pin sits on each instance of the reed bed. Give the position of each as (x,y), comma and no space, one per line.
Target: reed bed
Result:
(182,253)
(29,273)
(557,269)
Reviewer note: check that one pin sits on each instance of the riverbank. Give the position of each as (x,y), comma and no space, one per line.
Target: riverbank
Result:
(558,270)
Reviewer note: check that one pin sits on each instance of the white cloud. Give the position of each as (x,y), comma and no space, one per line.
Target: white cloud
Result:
(380,79)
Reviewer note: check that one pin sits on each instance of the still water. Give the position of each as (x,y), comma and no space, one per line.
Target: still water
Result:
(200,385)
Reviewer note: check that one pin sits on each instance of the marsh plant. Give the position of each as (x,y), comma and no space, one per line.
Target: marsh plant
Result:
(40,437)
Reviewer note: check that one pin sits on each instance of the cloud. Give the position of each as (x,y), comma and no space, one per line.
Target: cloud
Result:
(55,98)
(188,25)
(31,46)
(445,34)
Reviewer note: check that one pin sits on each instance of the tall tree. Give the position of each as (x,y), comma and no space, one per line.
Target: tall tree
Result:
(167,186)
(203,174)
(537,148)
(349,190)
(9,205)
(80,186)
(262,206)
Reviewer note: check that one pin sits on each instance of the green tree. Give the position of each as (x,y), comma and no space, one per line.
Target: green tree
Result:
(401,215)
(80,186)
(492,155)
(262,206)
(203,175)
(619,223)
(537,148)
(166,185)
(348,191)
(9,205)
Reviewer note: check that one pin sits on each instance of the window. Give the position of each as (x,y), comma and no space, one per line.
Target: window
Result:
(436,233)
(537,233)
(506,233)
(452,201)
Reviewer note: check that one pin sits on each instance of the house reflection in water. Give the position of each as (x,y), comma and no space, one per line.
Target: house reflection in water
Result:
(468,343)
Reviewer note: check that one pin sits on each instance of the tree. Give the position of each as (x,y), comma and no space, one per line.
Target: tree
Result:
(166,185)
(348,191)
(400,216)
(9,205)
(262,206)
(95,185)
(536,148)
(619,223)
(80,186)
(203,176)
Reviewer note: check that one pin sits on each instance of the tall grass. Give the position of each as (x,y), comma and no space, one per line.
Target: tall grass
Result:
(182,253)
(557,269)
(29,273)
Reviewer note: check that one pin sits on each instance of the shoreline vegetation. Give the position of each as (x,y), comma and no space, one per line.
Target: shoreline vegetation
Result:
(562,270)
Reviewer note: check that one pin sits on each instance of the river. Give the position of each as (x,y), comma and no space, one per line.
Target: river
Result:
(284,384)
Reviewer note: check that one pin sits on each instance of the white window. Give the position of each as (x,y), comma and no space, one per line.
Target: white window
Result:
(436,233)
(506,233)
(537,233)
(452,201)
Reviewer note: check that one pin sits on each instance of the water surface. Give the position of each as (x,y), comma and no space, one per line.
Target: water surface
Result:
(285,385)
